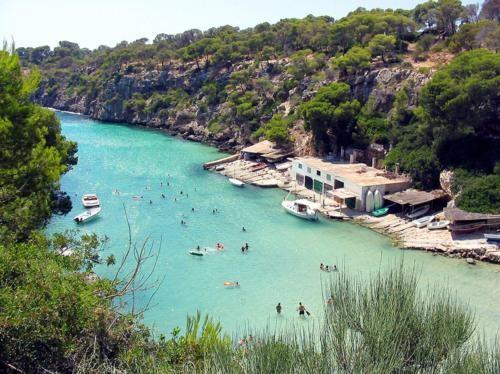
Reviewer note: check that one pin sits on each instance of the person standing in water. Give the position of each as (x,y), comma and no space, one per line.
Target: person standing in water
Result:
(278,308)
(302,310)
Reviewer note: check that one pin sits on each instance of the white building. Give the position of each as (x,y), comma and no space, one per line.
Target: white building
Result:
(348,183)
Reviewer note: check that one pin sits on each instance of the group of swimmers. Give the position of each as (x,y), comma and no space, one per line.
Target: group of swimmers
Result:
(301,309)
(244,248)
(328,268)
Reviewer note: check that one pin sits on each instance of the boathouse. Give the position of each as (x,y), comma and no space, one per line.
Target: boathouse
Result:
(265,151)
(464,222)
(409,200)
(349,184)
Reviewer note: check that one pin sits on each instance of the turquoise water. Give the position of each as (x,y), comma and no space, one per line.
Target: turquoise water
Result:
(285,252)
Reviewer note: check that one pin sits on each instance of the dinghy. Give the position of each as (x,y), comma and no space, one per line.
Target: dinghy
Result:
(88,215)
(236,182)
(380,212)
(423,221)
(90,200)
(418,212)
(438,225)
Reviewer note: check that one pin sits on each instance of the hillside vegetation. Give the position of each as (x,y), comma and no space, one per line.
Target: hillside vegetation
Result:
(316,84)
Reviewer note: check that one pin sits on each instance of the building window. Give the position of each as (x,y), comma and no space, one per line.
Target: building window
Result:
(318,173)
(309,170)
(328,177)
(300,166)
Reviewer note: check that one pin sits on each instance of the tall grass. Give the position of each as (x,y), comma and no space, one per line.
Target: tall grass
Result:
(380,325)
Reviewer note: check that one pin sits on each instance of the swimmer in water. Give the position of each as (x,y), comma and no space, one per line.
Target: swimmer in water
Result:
(243,229)
(162,196)
(192,209)
(322,267)
(278,308)
(150,201)
(247,246)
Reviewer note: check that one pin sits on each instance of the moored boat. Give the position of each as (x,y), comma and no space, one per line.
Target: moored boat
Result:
(422,221)
(88,215)
(377,199)
(419,212)
(438,225)
(380,212)
(236,182)
(492,237)
(90,200)
(301,208)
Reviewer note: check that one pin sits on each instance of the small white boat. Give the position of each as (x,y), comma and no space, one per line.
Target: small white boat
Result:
(377,198)
(492,237)
(422,221)
(418,212)
(438,225)
(88,215)
(301,208)
(236,182)
(90,200)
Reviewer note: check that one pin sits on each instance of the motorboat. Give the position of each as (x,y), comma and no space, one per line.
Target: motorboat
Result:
(492,237)
(90,200)
(422,221)
(88,215)
(419,212)
(236,182)
(301,208)
(438,225)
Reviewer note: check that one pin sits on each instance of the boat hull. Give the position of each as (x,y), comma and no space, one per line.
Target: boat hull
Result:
(236,182)
(492,237)
(87,216)
(288,206)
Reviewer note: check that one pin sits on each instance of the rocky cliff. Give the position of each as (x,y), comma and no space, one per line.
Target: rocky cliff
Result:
(175,97)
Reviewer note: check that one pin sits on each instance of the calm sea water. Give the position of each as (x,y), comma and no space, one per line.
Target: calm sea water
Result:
(282,264)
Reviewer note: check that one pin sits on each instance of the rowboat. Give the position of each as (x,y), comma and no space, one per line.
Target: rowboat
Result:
(90,200)
(423,221)
(437,225)
(88,215)
(369,202)
(301,208)
(418,212)
(380,212)
(492,237)
(236,182)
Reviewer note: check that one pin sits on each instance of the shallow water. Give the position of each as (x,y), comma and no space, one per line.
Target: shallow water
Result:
(285,252)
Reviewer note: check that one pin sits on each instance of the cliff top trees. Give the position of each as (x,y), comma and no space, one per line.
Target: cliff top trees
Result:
(382,45)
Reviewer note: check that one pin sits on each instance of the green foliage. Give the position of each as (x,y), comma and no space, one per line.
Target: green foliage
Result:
(33,154)
(372,124)
(356,60)
(483,34)
(382,45)
(478,193)
(276,130)
(331,112)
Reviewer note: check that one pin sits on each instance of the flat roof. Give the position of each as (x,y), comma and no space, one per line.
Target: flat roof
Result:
(414,197)
(360,174)
(261,148)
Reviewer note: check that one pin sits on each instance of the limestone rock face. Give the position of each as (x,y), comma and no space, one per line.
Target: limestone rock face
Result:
(446,181)
(113,98)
